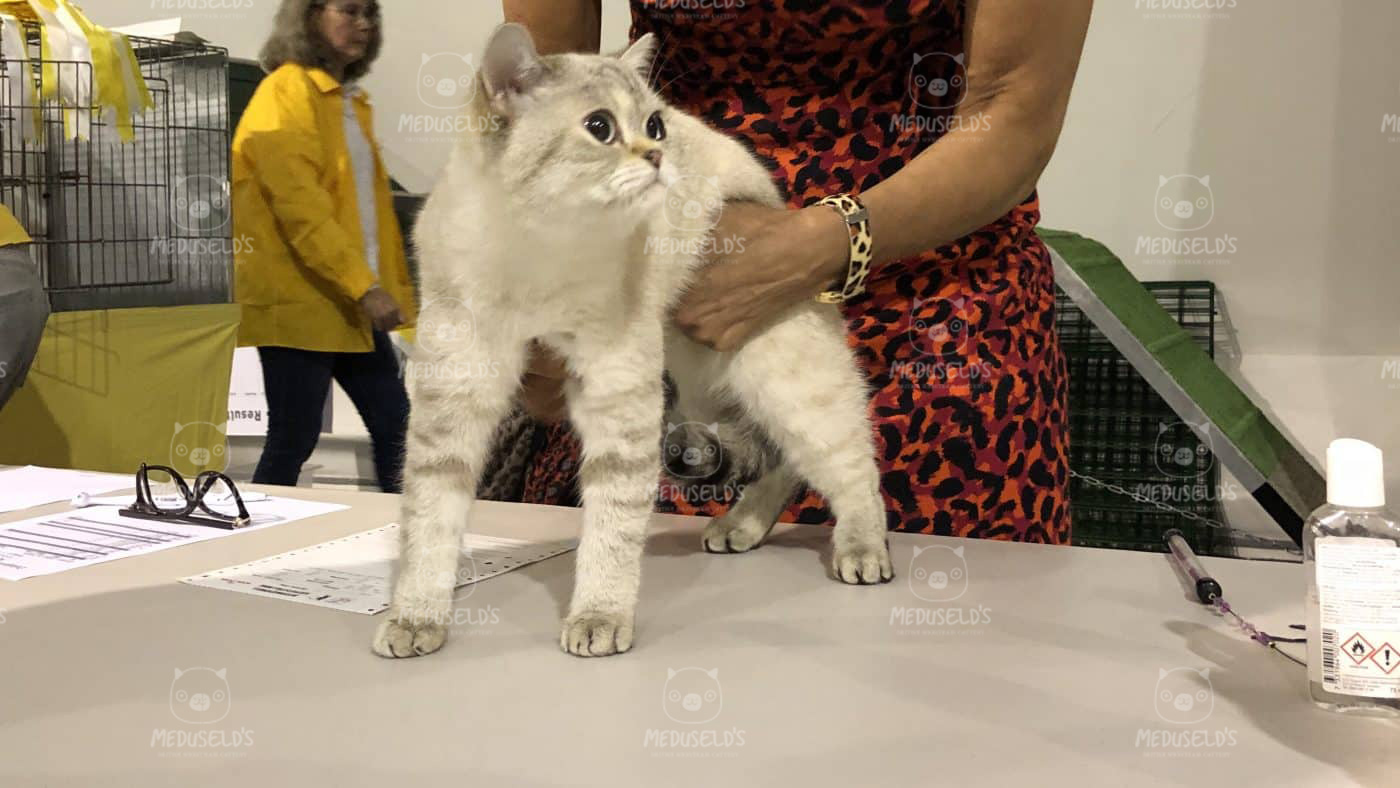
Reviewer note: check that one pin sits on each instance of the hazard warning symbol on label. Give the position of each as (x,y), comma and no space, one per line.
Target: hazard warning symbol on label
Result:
(1357,648)
(1386,658)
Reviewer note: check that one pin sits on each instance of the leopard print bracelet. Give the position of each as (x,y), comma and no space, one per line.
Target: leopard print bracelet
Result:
(857,220)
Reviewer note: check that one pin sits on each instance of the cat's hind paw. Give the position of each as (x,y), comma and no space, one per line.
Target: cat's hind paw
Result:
(862,564)
(596,634)
(735,533)
(399,638)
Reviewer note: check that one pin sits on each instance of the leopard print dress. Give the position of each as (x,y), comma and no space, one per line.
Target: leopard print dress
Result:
(958,344)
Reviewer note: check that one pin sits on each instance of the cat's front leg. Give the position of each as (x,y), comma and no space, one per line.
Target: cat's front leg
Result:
(616,409)
(457,404)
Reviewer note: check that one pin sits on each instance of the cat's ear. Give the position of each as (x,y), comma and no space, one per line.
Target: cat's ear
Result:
(713,428)
(1161,181)
(222,427)
(1162,427)
(918,550)
(1205,673)
(712,672)
(179,673)
(1205,181)
(918,59)
(178,427)
(426,58)
(670,673)
(959,551)
(223,674)
(670,427)
(961,58)
(640,55)
(1162,673)
(511,66)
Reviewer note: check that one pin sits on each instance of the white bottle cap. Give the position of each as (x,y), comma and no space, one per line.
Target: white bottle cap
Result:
(1355,475)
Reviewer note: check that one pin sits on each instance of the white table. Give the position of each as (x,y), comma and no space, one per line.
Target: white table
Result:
(1044,671)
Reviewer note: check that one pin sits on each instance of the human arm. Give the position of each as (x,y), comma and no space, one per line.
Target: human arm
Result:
(1022,58)
(559,25)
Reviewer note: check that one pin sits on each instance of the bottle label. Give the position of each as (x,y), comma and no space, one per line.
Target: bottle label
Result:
(1358,590)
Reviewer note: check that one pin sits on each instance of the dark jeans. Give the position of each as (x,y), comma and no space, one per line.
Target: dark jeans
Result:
(297,382)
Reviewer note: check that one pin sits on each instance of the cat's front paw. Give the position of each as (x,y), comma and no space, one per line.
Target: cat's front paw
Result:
(406,638)
(862,564)
(596,634)
(734,533)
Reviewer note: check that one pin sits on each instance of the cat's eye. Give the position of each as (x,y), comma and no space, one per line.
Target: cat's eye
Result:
(656,128)
(602,126)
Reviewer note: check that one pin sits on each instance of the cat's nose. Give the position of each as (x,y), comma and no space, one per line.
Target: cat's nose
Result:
(653,156)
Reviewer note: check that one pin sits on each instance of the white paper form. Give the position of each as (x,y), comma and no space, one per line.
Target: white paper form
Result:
(23,488)
(355,573)
(83,537)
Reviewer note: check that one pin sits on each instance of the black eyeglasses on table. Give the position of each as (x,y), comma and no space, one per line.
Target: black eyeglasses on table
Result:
(147,506)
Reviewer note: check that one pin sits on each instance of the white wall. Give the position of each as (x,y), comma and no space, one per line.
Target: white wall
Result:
(1282,104)
(1279,102)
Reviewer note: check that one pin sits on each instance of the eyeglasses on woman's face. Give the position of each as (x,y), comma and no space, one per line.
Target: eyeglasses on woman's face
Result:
(366,12)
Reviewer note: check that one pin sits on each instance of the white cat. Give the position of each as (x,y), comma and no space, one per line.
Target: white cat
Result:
(541,223)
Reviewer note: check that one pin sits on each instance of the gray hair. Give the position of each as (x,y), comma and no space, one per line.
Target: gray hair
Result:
(293,40)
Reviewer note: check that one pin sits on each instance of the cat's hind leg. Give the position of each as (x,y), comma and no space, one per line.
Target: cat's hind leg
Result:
(750,519)
(458,400)
(616,409)
(799,381)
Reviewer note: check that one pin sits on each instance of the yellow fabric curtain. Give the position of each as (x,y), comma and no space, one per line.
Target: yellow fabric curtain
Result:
(117,88)
(110,389)
(11,232)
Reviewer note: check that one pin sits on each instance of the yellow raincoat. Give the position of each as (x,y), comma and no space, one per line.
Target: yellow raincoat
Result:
(299,253)
(11,232)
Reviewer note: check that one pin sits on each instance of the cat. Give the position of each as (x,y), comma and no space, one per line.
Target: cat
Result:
(541,221)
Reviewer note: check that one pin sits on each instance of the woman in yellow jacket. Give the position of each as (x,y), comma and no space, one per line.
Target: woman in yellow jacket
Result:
(320,268)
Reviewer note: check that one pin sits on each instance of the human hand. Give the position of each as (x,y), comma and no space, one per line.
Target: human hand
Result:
(382,309)
(783,257)
(542,386)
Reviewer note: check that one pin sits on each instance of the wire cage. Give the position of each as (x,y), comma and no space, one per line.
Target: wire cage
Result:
(1122,433)
(123,224)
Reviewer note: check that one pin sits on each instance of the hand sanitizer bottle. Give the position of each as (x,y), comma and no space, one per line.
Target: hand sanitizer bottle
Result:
(1351,554)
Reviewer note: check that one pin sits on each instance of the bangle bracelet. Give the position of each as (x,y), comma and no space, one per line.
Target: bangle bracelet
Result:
(857,220)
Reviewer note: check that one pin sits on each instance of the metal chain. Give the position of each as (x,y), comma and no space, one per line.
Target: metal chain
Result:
(1140,498)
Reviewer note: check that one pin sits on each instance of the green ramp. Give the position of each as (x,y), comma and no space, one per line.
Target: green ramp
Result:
(1274,471)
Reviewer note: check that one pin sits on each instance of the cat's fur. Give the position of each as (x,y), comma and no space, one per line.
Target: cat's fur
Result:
(539,230)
